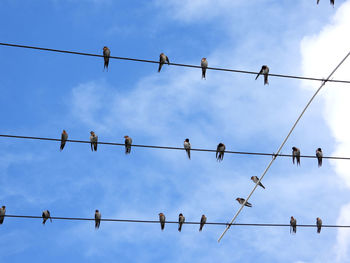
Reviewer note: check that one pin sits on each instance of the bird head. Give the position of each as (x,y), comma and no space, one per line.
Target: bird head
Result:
(92,133)
(294,148)
(64,131)
(319,149)
(3,207)
(96,211)
(252,177)
(180,214)
(105,48)
(126,136)
(187,140)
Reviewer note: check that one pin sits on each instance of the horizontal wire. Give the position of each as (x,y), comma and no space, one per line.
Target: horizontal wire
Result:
(172,222)
(173,64)
(170,148)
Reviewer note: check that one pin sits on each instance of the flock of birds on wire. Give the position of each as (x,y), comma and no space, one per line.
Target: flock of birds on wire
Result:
(220,150)
(47,216)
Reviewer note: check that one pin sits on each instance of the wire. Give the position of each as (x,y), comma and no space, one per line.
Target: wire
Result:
(283,143)
(171,222)
(173,64)
(171,148)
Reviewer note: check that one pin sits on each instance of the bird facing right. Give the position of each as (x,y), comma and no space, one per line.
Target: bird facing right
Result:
(46,215)
(106,55)
(181,221)
(204,65)
(296,155)
(162,59)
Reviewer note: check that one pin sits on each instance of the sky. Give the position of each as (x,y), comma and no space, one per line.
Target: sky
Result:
(44,93)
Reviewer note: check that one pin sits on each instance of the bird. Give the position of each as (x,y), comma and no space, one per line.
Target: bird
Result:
(181,221)
(128,142)
(241,201)
(162,59)
(319,156)
(97,219)
(318,224)
(46,215)
(256,179)
(162,220)
(293,224)
(220,150)
(2,214)
(264,70)
(296,155)
(64,138)
(106,55)
(187,146)
(93,140)
(203,221)
(204,65)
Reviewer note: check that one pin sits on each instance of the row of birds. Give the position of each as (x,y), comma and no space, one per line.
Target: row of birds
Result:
(163,59)
(47,216)
(220,149)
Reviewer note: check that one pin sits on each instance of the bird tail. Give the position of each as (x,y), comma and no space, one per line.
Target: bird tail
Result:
(203,72)
(62,146)
(266,79)
(180,227)
(97,224)
(162,226)
(319,162)
(200,227)
(248,204)
(262,185)
(257,76)
(318,230)
(188,153)
(92,147)
(95,146)
(298,160)
(160,66)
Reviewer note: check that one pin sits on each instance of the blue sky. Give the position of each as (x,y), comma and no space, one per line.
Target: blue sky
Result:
(43,93)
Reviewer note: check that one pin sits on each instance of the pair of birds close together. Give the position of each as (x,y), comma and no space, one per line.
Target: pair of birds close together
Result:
(181,221)
(220,150)
(296,155)
(45,215)
(94,141)
(293,224)
(331,1)
(164,59)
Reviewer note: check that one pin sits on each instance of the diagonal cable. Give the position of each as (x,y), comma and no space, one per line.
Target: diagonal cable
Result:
(283,143)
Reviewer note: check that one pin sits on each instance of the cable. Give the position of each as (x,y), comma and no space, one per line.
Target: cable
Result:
(283,143)
(171,222)
(171,148)
(173,64)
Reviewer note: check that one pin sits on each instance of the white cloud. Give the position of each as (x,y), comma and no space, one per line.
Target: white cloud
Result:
(320,54)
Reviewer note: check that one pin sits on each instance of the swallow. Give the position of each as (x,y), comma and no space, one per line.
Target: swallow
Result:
(162,220)
(46,215)
(2,214)
(187,146)
(181,221)
(106,55)
(319,156)
(318,224)
(265,71)
(203,221)
(64,138)
(220,150)
(296,155)
(293,224)
(97,219)
(204,65)
(93,140)
(162,59)
(128,142)
(241,201)
(256,179)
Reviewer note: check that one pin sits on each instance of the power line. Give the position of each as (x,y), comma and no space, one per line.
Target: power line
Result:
(172,222)
(171,148)
(173,64)
(283,143)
